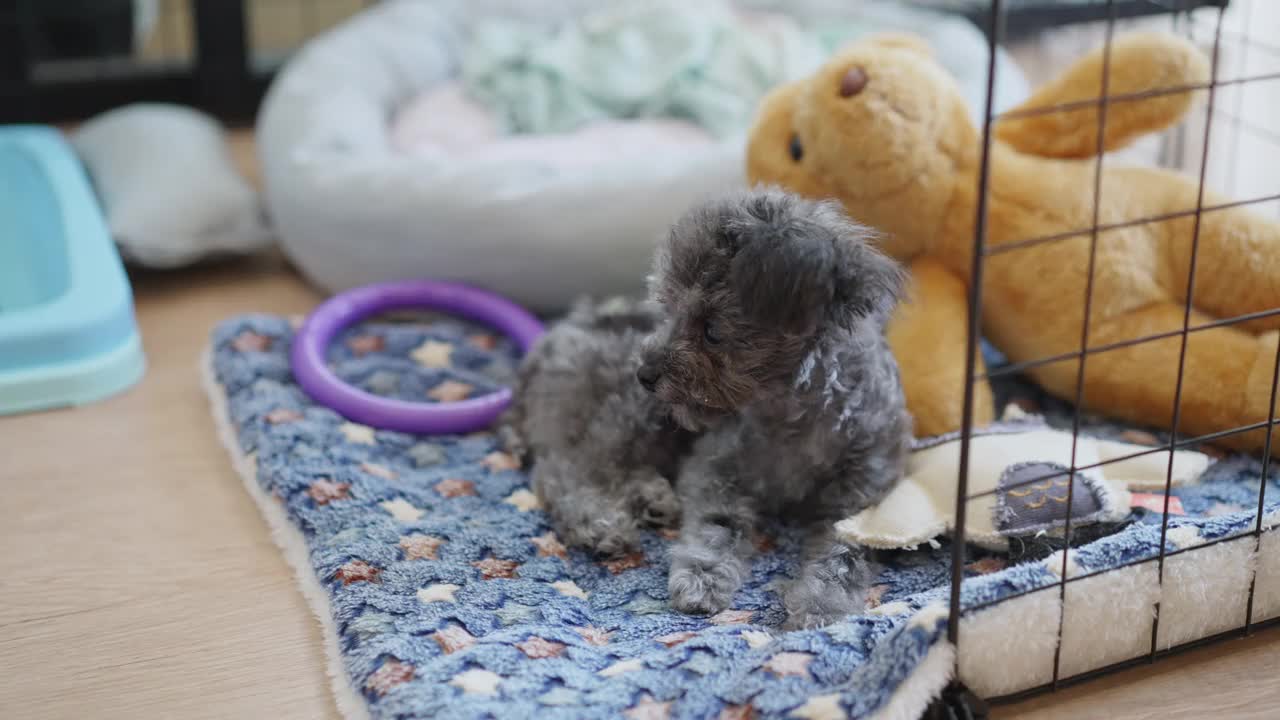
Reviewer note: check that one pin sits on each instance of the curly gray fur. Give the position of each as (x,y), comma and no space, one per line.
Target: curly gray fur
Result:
(603,451)
(771,343)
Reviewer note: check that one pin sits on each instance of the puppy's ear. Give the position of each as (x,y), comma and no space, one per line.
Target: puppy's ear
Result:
(869,284)
(784,279)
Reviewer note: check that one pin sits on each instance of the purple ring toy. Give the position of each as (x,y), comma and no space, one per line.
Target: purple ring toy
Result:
(346,309)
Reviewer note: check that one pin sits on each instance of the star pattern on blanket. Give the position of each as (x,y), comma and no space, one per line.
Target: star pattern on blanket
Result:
(523,500)
(325,491)
(391,675)
(402,510)
(789,663)
(453,488)
(732,617)
(250,341)
(356,571)
(477,681)
(281,416)
(622,667)
(497,461)
(364,344)
(420,547)
(569,588)
(540,648)
(595,635)
(432,354)
(492,568)
(453,638)
(450,391)
(440,592)
(550,546)
(358,434)
(621,564)
(756,639)
(674,639)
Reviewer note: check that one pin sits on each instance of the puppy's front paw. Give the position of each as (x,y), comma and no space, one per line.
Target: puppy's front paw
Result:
(699,590)
(610,532)
(656,503)
(812,605)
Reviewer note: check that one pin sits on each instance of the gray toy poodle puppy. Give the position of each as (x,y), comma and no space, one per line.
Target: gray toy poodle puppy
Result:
(603,451)
(771,344)
(758,375)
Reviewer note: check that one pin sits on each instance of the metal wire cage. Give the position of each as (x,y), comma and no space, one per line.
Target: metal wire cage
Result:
(1231,144)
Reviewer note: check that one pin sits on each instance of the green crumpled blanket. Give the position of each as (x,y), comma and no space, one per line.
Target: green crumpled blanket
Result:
(698,61)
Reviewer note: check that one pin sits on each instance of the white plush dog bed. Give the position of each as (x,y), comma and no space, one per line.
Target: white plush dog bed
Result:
(352,204)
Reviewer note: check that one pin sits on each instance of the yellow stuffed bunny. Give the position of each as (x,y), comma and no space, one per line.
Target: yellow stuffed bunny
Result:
(883,129)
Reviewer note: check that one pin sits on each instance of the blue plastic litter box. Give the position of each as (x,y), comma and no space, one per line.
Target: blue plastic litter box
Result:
(67,330)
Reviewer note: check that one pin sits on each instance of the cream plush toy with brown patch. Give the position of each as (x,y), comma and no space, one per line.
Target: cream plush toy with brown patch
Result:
(882,128)
(1019,485)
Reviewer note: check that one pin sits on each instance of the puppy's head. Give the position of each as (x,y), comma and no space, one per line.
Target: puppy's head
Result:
(747,284)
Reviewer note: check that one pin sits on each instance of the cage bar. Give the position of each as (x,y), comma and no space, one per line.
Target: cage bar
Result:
(1186,322)
(972,342)
(1262,489)
(1099,161)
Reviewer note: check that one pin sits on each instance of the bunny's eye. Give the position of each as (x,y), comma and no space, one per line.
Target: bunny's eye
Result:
(795,148)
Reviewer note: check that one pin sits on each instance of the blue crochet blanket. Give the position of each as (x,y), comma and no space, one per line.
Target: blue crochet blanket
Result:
(446,594)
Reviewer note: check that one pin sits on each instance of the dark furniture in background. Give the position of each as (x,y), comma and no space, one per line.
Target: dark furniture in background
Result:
(63,60)
(1023,18)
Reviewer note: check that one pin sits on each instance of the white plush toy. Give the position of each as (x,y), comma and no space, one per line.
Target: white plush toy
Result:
(168,187)
(1003,458)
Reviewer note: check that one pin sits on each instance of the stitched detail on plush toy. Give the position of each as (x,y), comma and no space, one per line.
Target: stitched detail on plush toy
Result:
(1024,507)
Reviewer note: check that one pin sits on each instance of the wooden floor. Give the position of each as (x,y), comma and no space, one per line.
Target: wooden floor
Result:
(137,579)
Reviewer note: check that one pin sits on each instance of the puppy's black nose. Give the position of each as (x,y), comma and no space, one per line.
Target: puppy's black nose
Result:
(648,375)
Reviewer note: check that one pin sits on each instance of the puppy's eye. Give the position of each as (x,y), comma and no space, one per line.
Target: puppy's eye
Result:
(711,333)
(795,148)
